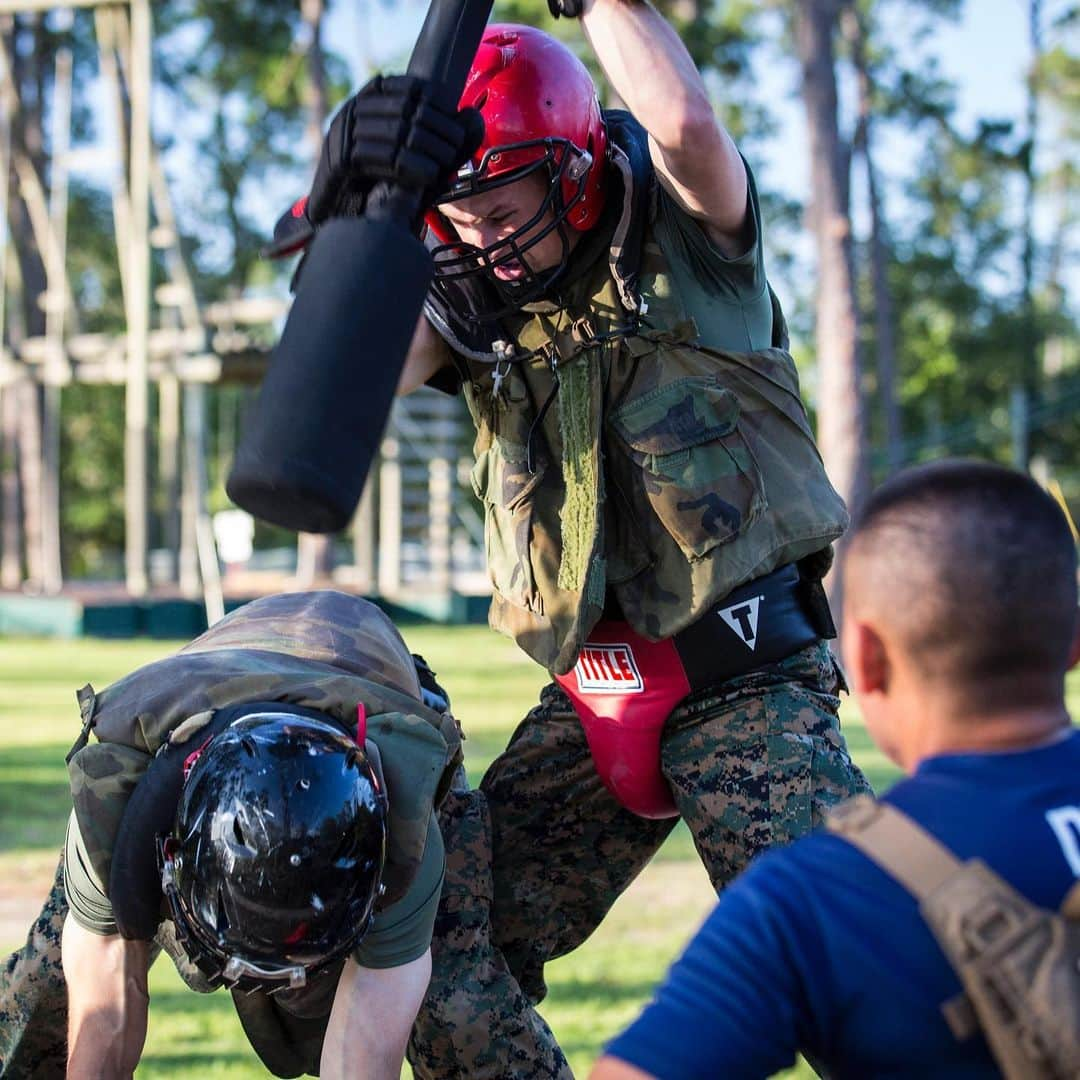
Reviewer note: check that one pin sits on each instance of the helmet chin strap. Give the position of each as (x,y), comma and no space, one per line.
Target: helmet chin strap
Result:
(539,284)
(591,247)
(237,968)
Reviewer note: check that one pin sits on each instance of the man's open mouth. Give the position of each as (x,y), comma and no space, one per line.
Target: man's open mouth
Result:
(511,270)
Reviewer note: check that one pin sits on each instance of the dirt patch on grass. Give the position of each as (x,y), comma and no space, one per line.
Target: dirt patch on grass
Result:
(25,881)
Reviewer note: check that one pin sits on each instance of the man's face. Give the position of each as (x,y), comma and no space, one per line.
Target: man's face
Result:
(490,217)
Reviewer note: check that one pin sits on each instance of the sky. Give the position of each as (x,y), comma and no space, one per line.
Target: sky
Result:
(986,52)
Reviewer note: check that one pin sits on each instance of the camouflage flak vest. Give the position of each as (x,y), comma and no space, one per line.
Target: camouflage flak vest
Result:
(617,451)
(325,650)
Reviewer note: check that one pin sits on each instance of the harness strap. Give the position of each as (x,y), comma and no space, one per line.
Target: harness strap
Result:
(894,842)
(906,850)
(1070,906)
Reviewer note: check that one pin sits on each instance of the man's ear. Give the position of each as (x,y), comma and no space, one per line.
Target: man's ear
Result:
(1074,652)
(866,658)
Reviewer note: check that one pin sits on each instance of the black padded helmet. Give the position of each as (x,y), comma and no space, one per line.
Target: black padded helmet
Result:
(274,863)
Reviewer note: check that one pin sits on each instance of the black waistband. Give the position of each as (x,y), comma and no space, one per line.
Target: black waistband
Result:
(759,623)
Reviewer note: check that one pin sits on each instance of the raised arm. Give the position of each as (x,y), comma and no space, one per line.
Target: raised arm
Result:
(107,1002)
(372,1017)
(649,68)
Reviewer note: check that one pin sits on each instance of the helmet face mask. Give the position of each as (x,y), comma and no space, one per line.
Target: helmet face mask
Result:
(541,118)
(563,166)
(274,865)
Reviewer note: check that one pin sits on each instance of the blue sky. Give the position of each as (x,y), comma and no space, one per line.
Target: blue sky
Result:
(986,52)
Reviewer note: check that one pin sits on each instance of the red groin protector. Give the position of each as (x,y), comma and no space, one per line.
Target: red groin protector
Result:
(623,688)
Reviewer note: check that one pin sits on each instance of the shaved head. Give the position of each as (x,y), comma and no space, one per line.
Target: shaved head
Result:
(970,569)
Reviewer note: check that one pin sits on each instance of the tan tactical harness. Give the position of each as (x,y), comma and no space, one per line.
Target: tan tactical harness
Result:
(1019,964)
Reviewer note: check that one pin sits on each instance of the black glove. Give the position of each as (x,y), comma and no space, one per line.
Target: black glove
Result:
(570,8)
(435,697)
(391,130)
(292,233)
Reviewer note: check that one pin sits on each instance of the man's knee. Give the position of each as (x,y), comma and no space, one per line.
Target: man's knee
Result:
(475,1021)
(482,1027)
(764,767)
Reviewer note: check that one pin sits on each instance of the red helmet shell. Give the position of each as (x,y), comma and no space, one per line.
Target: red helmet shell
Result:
(528,85)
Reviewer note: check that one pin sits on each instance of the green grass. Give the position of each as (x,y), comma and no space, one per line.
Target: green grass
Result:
(594,992)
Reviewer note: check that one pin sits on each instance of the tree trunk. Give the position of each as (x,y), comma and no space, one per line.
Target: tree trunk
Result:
(10,534)
(884,320)
(10,539)
(841,426)
(1026,387)
(312,11)
(25,61)
(840,406)
(314,552)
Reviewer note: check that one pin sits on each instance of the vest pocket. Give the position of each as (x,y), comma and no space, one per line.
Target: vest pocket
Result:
(698,473)
(503,483)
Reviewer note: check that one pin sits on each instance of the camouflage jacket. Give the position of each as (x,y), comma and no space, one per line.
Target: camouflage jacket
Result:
(326,650)
(668,472)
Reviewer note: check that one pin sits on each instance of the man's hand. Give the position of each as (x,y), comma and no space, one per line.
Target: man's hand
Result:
(391,130)
(610,1068)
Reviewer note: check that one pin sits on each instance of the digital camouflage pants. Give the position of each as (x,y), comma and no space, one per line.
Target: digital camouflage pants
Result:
(537,857)
(33,999)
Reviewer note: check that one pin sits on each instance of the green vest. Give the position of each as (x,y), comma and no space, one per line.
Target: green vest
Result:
(325,650)
(664,470)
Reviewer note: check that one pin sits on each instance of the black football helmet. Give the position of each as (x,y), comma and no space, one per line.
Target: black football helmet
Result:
(275,860)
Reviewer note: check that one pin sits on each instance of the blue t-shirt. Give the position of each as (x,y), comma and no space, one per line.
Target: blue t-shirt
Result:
(816,949)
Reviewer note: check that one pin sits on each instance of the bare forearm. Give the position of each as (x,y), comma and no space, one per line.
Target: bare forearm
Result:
(609,1068)
(105,1043)
(648,67)
(107,1003)
(375,1010)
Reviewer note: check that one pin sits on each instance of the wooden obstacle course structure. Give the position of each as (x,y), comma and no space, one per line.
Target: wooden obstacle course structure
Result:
(417,533)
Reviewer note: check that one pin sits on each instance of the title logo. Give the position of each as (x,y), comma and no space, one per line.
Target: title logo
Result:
(606,669)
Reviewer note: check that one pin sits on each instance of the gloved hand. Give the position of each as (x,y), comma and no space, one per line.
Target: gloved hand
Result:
(435,697)
(390,130)
(570,8)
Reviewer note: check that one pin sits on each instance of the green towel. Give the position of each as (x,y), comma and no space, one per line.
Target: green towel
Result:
(582,567)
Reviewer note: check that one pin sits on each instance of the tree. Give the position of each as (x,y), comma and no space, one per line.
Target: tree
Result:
(855,31)
(235,74)
(841,426)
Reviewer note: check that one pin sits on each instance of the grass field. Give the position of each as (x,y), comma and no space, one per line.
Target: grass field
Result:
(593,992)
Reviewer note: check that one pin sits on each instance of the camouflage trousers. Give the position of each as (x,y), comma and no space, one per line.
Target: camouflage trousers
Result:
(537,856)
(33,997)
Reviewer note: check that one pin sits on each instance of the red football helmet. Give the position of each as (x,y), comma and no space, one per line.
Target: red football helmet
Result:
(541,111)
